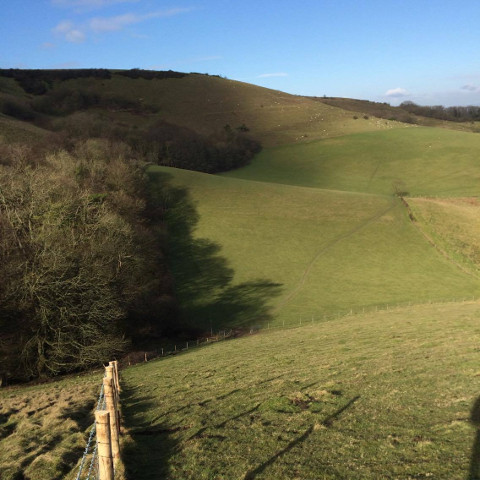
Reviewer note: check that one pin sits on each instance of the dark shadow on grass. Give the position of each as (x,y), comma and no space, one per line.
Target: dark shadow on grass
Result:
(326,422)
(474,473)
(203,279)
(148,447)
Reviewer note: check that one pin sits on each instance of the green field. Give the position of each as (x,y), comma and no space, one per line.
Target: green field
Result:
(417,160)
(390,395)
(295,252)
(385,396)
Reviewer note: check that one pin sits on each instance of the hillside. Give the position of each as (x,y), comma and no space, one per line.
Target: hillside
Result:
(248,253)
(385,110)
(416,161)
(383,395)
(206,104)
(360,229)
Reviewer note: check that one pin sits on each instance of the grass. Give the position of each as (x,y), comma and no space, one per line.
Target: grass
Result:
(256,252)
(208,103)
(43,429)
(390,395)
(452,223)
(417,160)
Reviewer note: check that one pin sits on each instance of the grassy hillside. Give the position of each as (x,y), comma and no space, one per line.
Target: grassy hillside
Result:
(43,429)
(418,160)
(207,103)
(384,110)
(248,253)
(390,396)
(452,224)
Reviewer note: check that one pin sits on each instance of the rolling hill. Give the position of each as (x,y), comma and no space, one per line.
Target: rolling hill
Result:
(337,222)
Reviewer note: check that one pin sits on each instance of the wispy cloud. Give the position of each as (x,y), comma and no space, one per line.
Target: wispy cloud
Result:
(268,75)
(47,45)
(69,31)
(111,24)
(397,93)
(471,88)
(85,5)
(77,33)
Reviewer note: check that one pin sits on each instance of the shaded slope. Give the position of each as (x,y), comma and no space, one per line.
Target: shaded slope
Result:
(207,103)
(329,251)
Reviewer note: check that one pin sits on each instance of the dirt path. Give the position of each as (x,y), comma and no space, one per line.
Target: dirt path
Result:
(327,247)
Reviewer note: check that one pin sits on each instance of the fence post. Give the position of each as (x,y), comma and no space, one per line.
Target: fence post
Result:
(105,460)
(111,404)
(114,364)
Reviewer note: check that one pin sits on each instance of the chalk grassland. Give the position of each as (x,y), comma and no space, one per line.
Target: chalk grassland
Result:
(287,252)
(207,103)
(392,395)
(43,429)
(417,160)
(452,224)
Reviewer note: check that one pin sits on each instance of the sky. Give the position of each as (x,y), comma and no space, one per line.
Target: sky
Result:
(425,51)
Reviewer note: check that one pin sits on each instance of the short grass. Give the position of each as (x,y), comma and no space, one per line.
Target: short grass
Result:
(417,160)
(247,253)
(208,103)
(393,395)
(14,131)
(453,225)
(43,429)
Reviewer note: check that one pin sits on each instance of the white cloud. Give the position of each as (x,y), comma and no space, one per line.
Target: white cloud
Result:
(77,34)
(397,92)
(268,75)
(79,5)
(69,31)
(111,24)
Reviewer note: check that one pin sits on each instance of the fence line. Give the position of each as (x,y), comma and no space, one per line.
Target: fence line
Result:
(106,453)
(302,321)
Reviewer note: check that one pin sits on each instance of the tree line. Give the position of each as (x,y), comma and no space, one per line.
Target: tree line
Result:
(469,113)
(82,270)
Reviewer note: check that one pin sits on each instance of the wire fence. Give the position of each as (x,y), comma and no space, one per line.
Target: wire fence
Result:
(93,465)
(259,327)
(108,407)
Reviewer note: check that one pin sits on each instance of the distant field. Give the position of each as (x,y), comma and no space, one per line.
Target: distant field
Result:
(417,160)
(246,253)
(385,396)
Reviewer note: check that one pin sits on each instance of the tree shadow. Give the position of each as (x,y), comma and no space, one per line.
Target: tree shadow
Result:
(148,447)
(327,422)
(203,280)
(474,473)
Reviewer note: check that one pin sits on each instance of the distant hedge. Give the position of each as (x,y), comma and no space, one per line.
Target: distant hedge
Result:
(150,74)
(39,81)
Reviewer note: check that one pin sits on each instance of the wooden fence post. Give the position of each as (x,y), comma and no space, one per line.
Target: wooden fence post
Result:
(105,460)
(111,404)
(114,364)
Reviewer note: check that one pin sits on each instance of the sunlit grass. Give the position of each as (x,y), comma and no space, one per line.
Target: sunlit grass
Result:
(385,395)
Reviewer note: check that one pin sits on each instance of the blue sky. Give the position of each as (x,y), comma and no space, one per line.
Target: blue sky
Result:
(426,51)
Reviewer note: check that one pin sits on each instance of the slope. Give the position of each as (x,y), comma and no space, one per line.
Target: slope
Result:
(206,104)
(389,395)
(247,253)
(419,160)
